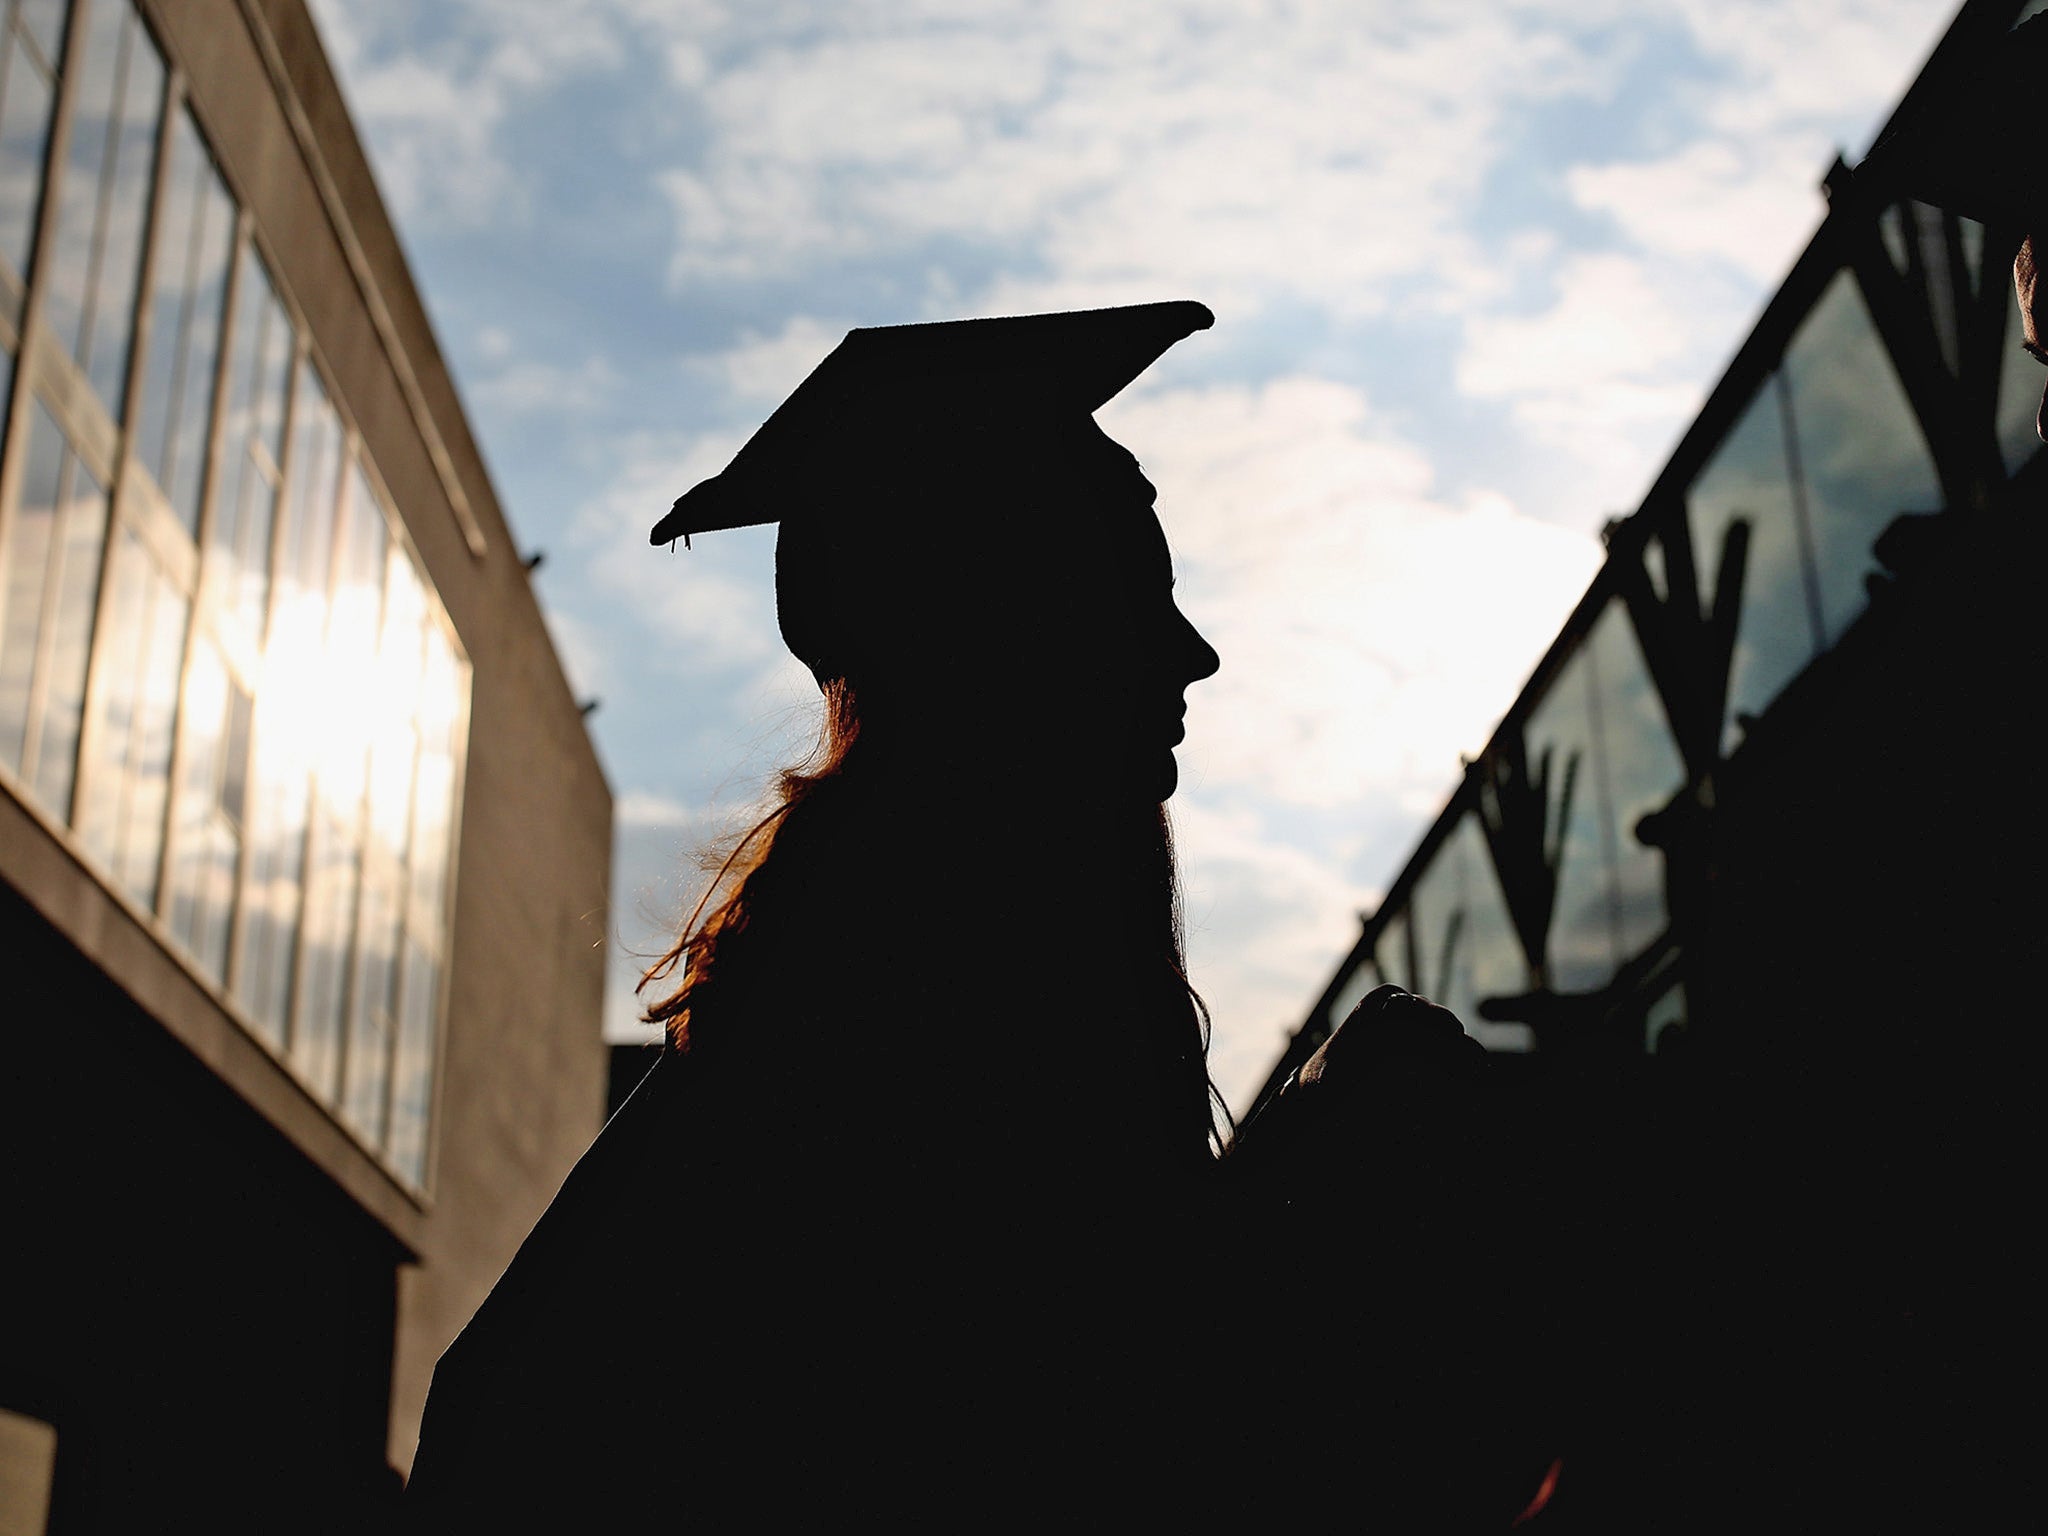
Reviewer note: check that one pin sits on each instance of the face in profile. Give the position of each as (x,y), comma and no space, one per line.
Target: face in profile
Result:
(1117,645)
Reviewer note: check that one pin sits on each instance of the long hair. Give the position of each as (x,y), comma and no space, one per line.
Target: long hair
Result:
(814,802)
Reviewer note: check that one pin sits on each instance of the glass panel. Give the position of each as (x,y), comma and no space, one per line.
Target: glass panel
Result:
(1466,941)
(370,1006)
(1390,952)
(27,559)
(89,302)
(2020,380)
(245,500)
(52,572)
(396,694)
(315,482)
(412,1089)
(44,20)
(349,712)
(122,820)
(277,855)
(188,289)
(333,865)
(208,838)
(27,92)
(68,636)
(1584,925)
(434,790)
(1641,772)
(1860,450)
(1747,479)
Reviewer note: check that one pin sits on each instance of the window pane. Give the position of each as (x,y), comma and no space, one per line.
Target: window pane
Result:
(245,499)
(27,559)
(1641,771)
(1861,453)
(348,719)
(371,1001)
(122,820)
(90,299)
(440,717)
(44,20)
(1466,942)
(188,289)
(396,694)
(52,572)
(281,782)
(1390,953)
(323,958)
(207,842)
(412,1088)
(27,93)
(1747,479)
(1584,938)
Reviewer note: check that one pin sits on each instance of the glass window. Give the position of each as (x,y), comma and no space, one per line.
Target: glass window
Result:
(1639,771)
(281,784)
(1747,479)
(49,576)
(1466,941)
(396,697)
(441,710)
(1392,955)
(29,60)
(291,724)
(187,293)
(89,300)
(2020,381)
(348,719)
(122,817)
(371,1000)
(1860,453)
(1584,943)
(246,494)
(333,867)
(211,809)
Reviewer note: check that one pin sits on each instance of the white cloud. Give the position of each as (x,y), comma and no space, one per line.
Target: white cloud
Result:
(1711,199)
(531,387)
(1197,149)
(1266,921)
(1370,632)
(765,369)
(1827,63)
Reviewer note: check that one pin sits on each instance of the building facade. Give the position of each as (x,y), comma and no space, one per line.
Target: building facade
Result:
(1770,753)
(304,847)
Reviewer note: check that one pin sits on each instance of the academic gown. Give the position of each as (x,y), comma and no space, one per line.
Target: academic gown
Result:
(815,1268)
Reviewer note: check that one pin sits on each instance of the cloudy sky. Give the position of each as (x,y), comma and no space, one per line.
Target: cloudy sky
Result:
(1474,266)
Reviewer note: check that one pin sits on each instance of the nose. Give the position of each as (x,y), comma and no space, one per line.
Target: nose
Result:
(1201,659)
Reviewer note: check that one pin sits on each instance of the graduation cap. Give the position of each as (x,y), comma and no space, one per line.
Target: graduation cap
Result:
(850,462)
(1972,143)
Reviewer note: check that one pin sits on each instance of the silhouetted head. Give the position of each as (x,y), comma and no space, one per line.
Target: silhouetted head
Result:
(965,550)
(1969,141)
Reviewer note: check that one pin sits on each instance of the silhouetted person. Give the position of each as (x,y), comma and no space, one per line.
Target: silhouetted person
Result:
(920,1216)
(1973,147)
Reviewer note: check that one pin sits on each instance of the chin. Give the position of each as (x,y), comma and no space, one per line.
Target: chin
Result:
(1166,779)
